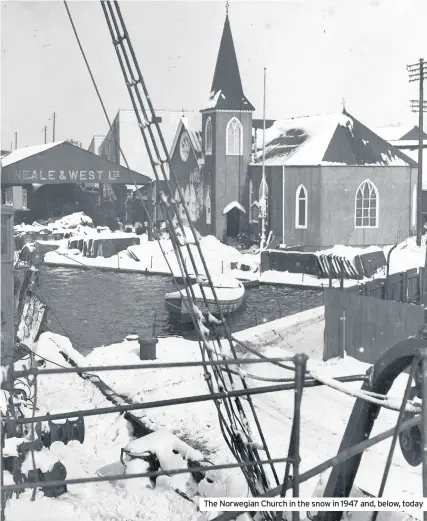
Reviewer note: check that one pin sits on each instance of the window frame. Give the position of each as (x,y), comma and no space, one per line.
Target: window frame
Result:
(235,123)
(373,189)
(297,208)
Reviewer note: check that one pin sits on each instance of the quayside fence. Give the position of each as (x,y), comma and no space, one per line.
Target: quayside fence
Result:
(301,379)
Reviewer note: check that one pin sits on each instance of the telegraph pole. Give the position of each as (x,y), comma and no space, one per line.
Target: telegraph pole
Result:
(417,72)
(16,140)
(263,202)
(44,129)
(53,128)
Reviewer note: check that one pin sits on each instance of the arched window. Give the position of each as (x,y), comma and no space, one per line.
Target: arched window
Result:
(234,138)
(414,206)
(251,193)
(208,209)
(263,199)
(301,207)
(185,202)
(366,206)
(253,204)
(208,137)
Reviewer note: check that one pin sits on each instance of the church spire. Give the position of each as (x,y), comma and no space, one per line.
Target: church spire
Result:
(227,91)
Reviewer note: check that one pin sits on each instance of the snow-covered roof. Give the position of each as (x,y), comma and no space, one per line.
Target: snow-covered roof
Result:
(392,132)
(23,153)
(399,132)
(233,204)
(407,143)
(328,139)
(413,154)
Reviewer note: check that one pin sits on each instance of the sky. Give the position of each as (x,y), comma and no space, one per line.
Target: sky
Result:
(317,53)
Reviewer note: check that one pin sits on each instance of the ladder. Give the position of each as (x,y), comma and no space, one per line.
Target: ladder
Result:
(237,430)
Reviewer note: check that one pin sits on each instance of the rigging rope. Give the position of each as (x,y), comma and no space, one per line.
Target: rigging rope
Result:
(161,167)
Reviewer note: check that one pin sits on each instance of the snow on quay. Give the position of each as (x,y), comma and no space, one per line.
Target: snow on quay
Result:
(99,454)
(405,256)
(148,258)
(325,411)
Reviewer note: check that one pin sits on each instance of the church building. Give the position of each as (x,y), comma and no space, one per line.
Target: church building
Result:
(328,178)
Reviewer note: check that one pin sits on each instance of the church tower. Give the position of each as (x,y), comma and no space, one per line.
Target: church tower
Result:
(227,142)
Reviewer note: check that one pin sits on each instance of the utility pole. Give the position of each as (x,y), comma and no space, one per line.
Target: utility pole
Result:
(417,72)
(53,127)
(44,129)
(263,202)
(16,140)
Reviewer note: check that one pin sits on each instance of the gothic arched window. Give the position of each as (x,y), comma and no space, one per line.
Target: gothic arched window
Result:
(263,199)
(366,206)
(253,204)
(301,207)
(208,137)
(208,209)
(234,138)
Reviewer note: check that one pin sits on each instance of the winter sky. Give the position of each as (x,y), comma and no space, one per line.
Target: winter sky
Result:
(317,52)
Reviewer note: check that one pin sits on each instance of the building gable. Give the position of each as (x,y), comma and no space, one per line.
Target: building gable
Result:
(413,134)
(195,141)
(355,144)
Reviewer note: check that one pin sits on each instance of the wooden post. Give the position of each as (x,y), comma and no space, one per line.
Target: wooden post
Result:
(420,154)
(424,283)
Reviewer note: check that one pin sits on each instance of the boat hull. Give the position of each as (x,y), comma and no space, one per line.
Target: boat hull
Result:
(178,307)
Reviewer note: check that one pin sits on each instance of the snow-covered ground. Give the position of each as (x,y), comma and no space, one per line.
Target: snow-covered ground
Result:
(99,454)
(77,222)
(325,411)
(148,258)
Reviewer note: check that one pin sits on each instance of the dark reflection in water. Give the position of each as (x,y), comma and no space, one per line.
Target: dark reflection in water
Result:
(100,308)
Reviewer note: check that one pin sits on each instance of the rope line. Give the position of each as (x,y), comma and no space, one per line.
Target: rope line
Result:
(147,124)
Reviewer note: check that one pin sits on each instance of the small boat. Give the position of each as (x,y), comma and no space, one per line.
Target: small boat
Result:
(229,291)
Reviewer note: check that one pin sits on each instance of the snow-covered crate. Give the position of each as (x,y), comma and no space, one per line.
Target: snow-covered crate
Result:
(290,261)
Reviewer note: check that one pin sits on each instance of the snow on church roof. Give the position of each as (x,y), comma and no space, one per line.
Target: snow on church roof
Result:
(329,139)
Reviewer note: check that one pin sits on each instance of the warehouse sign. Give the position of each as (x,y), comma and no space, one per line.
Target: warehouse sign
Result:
(66,176)
(62,164)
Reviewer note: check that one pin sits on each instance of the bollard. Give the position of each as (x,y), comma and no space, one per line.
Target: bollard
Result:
(147,348)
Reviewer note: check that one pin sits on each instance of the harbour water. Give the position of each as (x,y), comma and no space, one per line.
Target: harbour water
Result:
(97,308)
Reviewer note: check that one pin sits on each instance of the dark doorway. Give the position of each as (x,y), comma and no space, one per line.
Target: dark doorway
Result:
(233,223)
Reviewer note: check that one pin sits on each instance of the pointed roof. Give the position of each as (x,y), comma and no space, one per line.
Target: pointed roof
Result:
(329,139)
(227,91)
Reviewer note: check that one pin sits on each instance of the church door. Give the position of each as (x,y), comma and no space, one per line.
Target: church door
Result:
(233,223)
